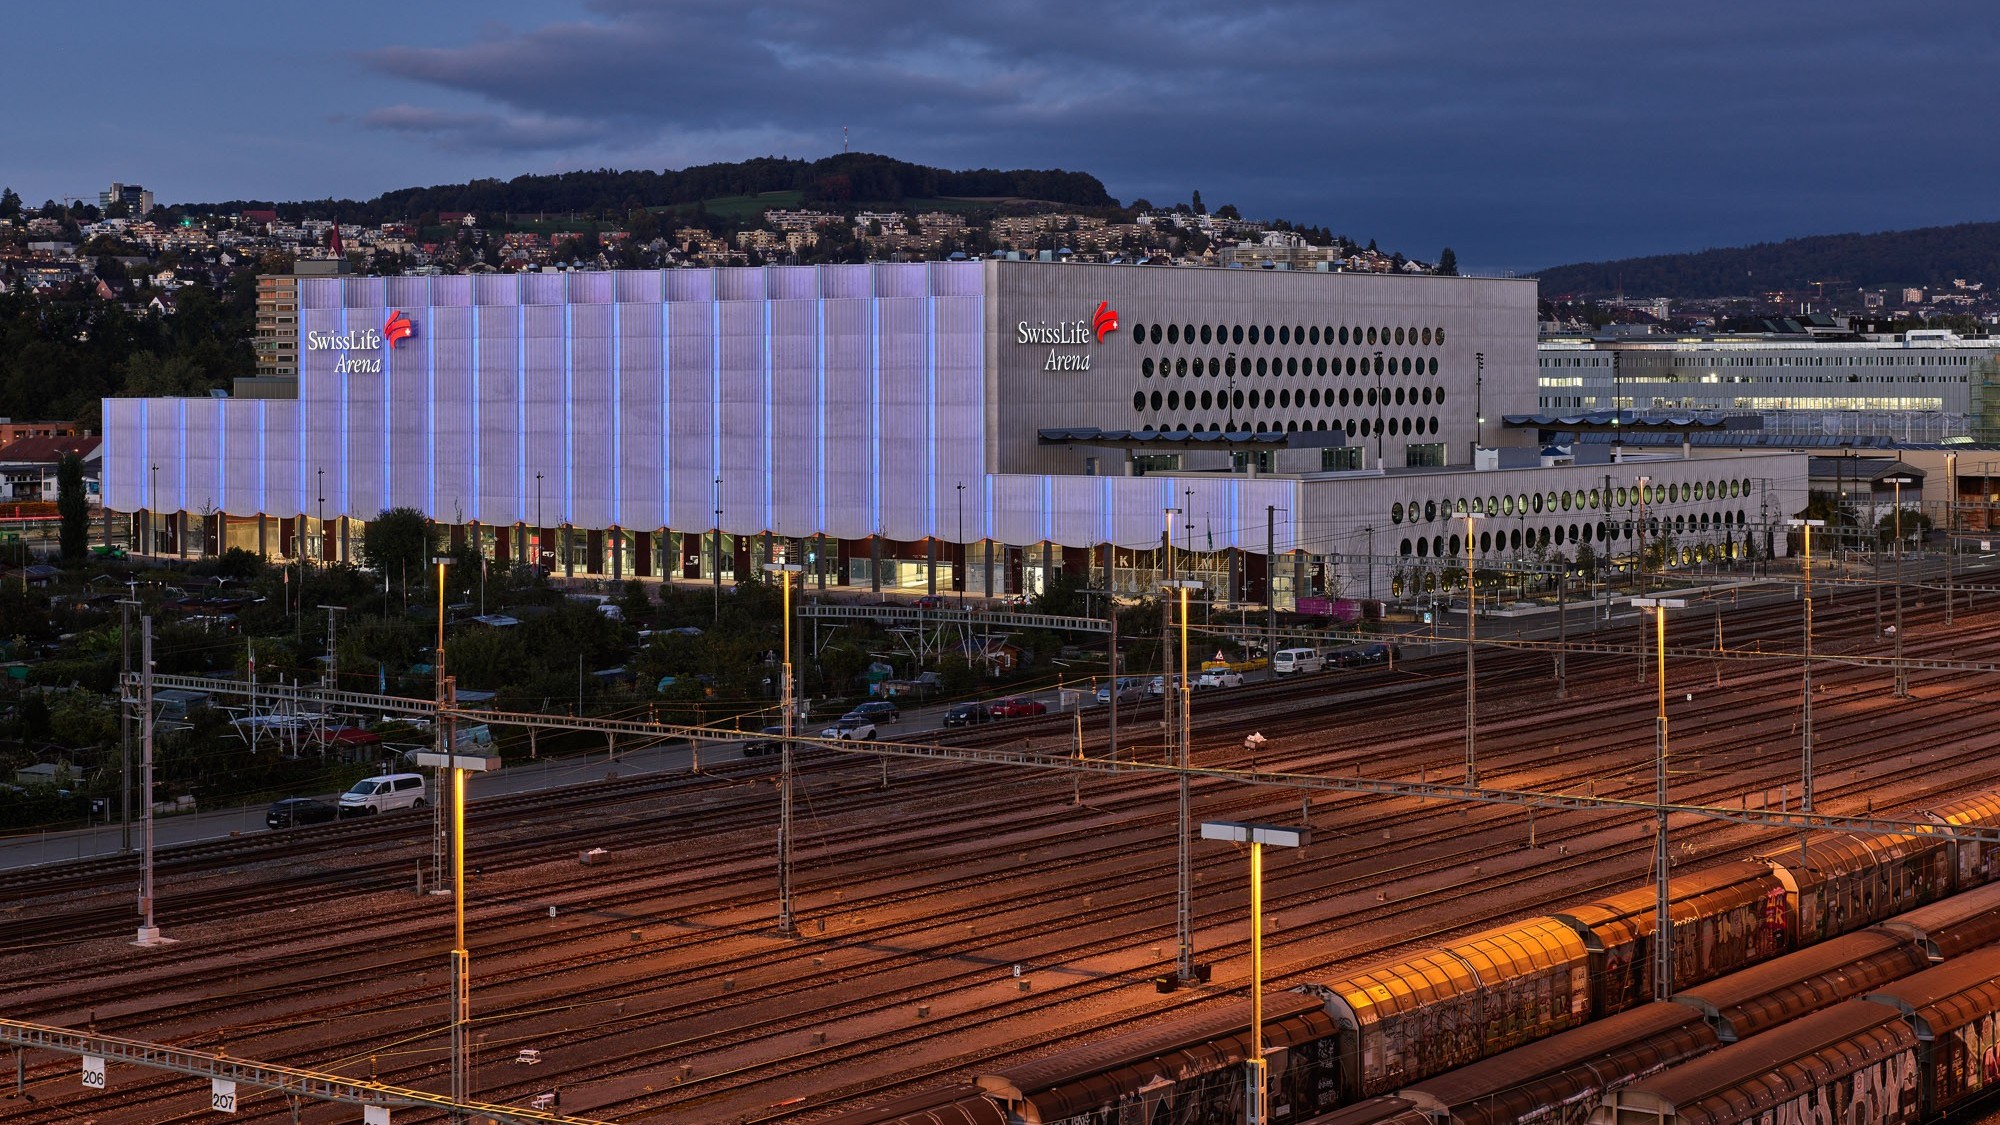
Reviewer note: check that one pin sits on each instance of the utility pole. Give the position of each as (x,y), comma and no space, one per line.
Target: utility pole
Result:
(1479,404)
(149,933)
(1805,721)
(788,703)
(1271,579)
(330,677)
(1902,674)
(125,713)
(1471,675)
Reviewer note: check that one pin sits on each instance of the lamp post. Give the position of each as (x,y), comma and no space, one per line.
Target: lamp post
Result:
(715,556)
(1663,920)
(1644,484)
(1256,835)
(1950,533)
(958,569)
(1179,729)
(1381,399)
(319,518)
(1471,677)
(1902,675)
(461,958)
(1805,719)
(540,553)
(1479,403)
(788,705)
(152,511)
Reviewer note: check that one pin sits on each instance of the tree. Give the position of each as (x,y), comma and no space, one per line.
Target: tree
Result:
(1198,208)
(74,509)
(10,204)
(1228,211)
(398,541)
(1448,262)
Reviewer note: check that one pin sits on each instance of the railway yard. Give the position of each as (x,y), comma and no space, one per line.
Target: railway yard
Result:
(966,926)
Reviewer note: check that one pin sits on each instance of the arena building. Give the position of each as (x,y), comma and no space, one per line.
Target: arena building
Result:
(921,427)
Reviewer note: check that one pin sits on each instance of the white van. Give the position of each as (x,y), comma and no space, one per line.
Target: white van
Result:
(387,793)
(1291,660)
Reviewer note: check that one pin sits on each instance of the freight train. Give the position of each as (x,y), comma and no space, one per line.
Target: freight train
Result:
(1365,1035)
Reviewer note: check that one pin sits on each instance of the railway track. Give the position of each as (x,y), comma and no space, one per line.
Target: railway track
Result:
(1419,744)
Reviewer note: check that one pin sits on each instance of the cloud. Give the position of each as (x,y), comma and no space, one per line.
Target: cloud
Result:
(1461,121)
(460,130)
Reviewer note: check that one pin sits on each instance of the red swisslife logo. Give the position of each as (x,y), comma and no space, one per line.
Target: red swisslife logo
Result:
(397,328)
(1105,320)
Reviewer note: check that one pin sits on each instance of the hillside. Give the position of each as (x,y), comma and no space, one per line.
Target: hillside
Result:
(1930,257)
(846,179)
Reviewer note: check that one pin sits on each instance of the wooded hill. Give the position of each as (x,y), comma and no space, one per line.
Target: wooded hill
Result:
(1931,257)
(835,181)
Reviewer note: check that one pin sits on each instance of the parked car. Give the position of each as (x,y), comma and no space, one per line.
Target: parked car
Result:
(1017,707)
(850,728)
(967,714)
(1157,686)
(1219,679)
(770,740)
(294,811)
(1363,656)
(1291,660)
(880,710)
(1130,690)
(930,601)
(386,793)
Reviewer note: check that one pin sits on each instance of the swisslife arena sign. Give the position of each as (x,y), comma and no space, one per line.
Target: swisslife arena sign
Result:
(394,331)
(1064,338)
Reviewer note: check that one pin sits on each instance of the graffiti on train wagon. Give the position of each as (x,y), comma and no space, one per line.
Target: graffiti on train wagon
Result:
(1977,1058)
(1882,1093)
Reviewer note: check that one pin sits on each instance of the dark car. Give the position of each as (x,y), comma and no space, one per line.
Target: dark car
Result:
(1017,707)
(294,811)
(770,740)
(967,714)
(880,710)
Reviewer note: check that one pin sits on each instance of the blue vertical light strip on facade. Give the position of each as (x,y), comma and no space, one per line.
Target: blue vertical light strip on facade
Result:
(569,407)
(1048,509)
(617,415)
(875,412)
(181,423)
(930,416)
(715,394)
(666,417)
(819,408)
(770,415)
(431,420)
(146,453)
(263,428)
(521,409)
(472,454)
(388,396)
(221,456)
(341,499)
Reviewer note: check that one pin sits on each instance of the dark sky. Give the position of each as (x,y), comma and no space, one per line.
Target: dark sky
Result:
(1522,134)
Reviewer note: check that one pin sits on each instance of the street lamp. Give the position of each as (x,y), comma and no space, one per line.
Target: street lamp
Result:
(715,556)
(1178,728)
(319,520)
(1479,403)
(152,511)
(1256,835)
(1381,399)
(1471,678)
(539,552)
(1645,483)
(461,958)
(964,556)
(1950,533)
(1663,921)
(1805,720)
(1902,676)
(788,704)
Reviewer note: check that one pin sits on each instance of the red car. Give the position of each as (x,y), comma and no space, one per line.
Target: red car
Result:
(1017,706)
